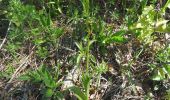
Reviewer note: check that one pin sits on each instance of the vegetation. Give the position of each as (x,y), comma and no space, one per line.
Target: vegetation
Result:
(84,49)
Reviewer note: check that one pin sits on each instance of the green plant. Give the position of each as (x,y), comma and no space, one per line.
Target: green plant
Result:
(102,30)
(105,35)
(82,94)
(34,27)
(167,96)
(150,21)
(44,77)
(8,72)
(161,70)
(84,54)
(99,70)
(86,7)
(21,14)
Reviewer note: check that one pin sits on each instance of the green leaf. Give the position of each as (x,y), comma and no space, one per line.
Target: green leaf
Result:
(91,42)
(166,5)
(47,78)
(157,76)
(45,20)
(79,58)
(59,95)
(160,23)
(39,41)
(120,33)
(86,83)
(86,8)
(101,68)
(35,77)
(161,72)
(42,20)
(58,84)
(163,27)
(48,20)
(92,58)
(24,78)
(118,39)
(167,69)
(78,93)
(79,45)
(56,33)
(48,92)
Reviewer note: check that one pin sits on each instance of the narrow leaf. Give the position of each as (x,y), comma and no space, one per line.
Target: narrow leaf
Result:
(78,93)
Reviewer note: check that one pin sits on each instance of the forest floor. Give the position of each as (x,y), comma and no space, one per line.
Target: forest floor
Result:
(86,50)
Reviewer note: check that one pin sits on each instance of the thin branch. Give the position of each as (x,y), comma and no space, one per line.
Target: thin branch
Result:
(19,69)
(3,42)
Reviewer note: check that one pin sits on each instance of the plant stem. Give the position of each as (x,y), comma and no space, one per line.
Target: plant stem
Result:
(87,55)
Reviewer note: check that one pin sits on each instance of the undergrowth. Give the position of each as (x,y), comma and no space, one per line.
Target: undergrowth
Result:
(84,49)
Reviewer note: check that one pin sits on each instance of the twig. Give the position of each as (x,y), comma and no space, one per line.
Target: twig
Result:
(3,42)
(19,69)
(67,49)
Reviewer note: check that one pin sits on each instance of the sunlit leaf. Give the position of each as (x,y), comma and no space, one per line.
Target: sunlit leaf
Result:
(48,92)
(24,77)
(78,93)
(47,78)
(86,83)
(79,58)
(118,39)
(157,76)
(120,33)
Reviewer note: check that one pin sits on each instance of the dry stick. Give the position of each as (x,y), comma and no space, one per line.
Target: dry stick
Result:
(3,42)
(23,65)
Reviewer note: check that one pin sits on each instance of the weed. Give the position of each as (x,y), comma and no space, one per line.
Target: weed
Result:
(43,76)
(104,30)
